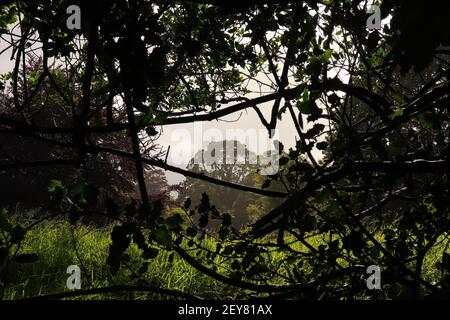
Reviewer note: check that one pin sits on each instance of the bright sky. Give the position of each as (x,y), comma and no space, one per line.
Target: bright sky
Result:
(184,140)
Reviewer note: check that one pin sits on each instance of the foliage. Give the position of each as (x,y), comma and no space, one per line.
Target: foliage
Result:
(238,165)
(373,101)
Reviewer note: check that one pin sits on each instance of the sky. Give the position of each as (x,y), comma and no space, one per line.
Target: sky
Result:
(186,139)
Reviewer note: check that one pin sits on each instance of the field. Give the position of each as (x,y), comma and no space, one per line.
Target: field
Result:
(59,244)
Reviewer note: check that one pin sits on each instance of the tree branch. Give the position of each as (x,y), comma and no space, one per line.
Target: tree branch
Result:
(117,288)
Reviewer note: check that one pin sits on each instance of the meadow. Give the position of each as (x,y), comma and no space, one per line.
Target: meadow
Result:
(58,244)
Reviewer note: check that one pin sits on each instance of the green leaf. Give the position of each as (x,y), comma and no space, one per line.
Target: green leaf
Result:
(162,236)
(306,107)
(86,192)
(55,185)
(57,192)
(326,55)
(397,113)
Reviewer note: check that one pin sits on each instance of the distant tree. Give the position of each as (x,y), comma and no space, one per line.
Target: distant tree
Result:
(232,161)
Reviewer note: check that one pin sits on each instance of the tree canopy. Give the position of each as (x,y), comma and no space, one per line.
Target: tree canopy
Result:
(375,102)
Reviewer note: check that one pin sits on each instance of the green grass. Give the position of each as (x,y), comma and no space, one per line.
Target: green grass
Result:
(54,244)
(55,241)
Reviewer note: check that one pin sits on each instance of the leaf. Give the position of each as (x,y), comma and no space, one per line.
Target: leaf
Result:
(54,185)
(187,203)
(322,145)
(156,210)
(226,219)
(314,131)
(120,242)
(283,160)
(57,192)
(354,242)
(334,99)
(326,55)
(17,234)
(372,41)
(120,238)
(191,232)
(224,231)
(162,236)
(305,107)
(86,193)
(314,66)
(174,221)
(266,183)
(397,113)
(203,221)
(151,131)
(204,203)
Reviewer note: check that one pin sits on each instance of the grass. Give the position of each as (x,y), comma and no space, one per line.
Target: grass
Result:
(55,242)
